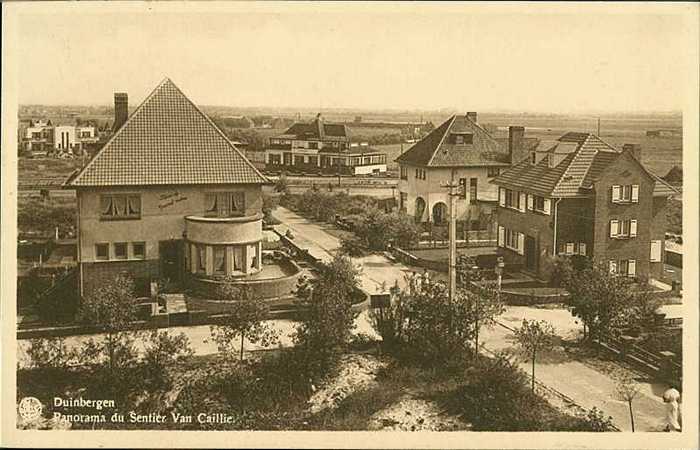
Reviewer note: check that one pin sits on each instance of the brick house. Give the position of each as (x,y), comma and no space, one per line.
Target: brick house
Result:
(458,150)
(578,195)
(168,196)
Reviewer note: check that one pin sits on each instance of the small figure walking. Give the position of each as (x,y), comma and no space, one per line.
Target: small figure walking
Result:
(671,397)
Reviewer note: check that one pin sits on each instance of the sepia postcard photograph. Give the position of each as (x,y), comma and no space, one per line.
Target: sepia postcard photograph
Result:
(350,225)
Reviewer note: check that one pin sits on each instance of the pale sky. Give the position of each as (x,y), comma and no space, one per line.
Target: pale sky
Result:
(317,55)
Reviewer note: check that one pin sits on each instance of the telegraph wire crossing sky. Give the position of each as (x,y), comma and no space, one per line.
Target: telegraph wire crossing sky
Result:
(546,63)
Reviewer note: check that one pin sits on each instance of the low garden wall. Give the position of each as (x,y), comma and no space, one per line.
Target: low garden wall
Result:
(265,288)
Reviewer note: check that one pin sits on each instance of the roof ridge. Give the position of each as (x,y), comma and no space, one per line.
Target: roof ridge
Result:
(442,139)
(211,122)
(120,130)
(571,163)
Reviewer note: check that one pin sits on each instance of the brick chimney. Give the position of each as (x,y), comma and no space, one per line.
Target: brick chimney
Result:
(319,123)
(121,109)
(472,116)
(515,144)
(634,150)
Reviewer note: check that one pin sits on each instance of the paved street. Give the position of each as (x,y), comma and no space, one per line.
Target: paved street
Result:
(585,385)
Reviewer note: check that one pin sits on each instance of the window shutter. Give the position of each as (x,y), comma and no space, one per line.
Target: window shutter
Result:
(582,248)
(501,197)
(614,228)
(616,193)
(547,206)
(632,268)
(501,236)
(530,202)
(635,193)
(633,228)
(521,204)
(613,266)
(521,243)
(655,251)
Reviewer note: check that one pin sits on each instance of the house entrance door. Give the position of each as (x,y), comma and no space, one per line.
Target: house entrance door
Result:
(171,259)
(530,254)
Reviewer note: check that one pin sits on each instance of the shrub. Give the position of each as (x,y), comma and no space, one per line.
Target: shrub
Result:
(496,397)
(162,351)
(327,319)
(52,353)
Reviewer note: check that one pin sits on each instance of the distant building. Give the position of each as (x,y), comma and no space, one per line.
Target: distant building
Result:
(462,151)
(321,147)
(168,197)
(667,132)
(580,196)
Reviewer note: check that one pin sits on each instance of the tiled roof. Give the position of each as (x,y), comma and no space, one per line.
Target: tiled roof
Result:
(538,179)
(167,141)
(312,130)
(583,157)
(662,188)
(437,150)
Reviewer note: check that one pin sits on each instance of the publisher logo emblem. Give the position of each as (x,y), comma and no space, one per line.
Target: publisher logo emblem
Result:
(30,408)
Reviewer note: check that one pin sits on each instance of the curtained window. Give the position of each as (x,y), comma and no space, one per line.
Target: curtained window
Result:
(237,203)
(211,205)
(119,207)
(201,258)
(106,205)
(134,205)
(238,259)
(225,204)
(220,260)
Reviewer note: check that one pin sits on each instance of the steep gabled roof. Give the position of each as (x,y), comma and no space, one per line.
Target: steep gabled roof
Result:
(168,140)
(586,158)
(438,150)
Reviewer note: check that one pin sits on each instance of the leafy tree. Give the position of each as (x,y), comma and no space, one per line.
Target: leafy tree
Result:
(675,175)
(628,389)
(534,337)
(327,319)
(247,319)
(112,309)
(51,353)
(598,298)
(270,203)
(163,350)
(282,185)
(352,247)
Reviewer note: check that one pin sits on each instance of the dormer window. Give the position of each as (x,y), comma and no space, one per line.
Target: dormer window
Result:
(462,138)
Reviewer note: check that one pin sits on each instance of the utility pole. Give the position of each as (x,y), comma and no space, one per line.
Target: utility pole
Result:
(598,126)
(453,193)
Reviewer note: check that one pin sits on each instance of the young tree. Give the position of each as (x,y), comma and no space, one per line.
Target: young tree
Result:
(112,309)
(485,305)
(598,298)
(628,389)
(247,319)
(327,318)
(534,337)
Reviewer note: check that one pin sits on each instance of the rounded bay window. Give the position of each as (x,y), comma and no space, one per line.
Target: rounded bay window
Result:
(224,247)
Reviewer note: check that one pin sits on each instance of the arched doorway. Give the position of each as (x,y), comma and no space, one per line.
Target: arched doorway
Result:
(439,213)
(420,209)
